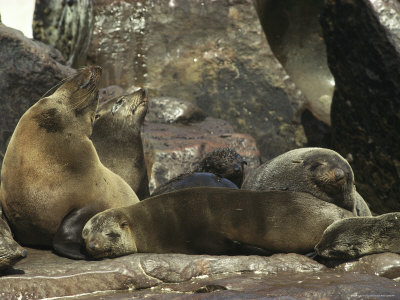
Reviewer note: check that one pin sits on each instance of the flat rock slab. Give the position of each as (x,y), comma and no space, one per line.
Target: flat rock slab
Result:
(44,274)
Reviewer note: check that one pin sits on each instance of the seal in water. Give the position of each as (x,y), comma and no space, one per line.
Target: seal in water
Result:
(52,180)
(355,237)
(10,251)
(212,220)
(321,172)
(116,137)
(195,179)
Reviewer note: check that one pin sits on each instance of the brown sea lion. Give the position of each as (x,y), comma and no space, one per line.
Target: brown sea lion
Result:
(212,220)
(321,172)
(116,137)
(224,162)
(355,237)
(195,179)
(52,180)
(10,251)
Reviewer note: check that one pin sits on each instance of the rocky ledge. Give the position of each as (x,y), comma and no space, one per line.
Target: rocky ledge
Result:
(45,275)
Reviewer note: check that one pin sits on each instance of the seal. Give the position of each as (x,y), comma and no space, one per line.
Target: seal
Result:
(10,251)
(52,180)
(116,137)
(206,220)
(224,162)
(321,172)
(355,237)
(195,179)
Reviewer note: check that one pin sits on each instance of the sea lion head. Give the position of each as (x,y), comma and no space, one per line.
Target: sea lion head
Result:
(226,163)
(128,110)
(332,176)
(10,251)
(72,106)
(109,234)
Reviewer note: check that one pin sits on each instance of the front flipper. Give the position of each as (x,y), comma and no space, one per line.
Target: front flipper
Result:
(68,239)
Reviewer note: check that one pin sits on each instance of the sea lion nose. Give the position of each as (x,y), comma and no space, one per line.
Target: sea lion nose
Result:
(142,92)
(339,174)
(23,253)
(93,246)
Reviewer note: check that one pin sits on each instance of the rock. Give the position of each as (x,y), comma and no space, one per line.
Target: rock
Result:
(173,149)
(295,36)
(383,264)
(67,26)
(363,46)
(28,70)
(172,110)
(43,274)
(212,54)
(110,92)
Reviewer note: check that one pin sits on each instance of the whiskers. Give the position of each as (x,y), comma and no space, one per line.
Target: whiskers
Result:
(56,86)
(81,100)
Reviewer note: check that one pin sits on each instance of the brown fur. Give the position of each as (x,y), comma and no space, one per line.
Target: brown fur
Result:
(51,166)
(212,220)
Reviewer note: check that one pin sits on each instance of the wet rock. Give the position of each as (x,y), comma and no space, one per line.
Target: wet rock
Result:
(384,265)
(172,110)
(43,274)
(295,36)
(213,54)
(363,46)
(174,149)
(28,70)
(67,26)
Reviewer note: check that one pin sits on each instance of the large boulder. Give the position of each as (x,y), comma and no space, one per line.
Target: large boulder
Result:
(28,70)
(67,26)
(363,46)
(213,54)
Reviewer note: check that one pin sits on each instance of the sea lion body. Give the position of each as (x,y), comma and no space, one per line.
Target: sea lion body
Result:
(321,172)
(10,251)
(212,220)
(195,179)
(355,237)
(117,139)
(51,172)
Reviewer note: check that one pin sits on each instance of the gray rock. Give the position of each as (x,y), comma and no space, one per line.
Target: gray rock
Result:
(295,36)
(363,46)
(383,264)
(43,274)
(110,92)
(213,54)
(174,149)
(67,26)
(28,70)
(172,110)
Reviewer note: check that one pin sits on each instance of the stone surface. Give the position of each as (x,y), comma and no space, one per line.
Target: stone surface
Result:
(363,46)
(384,265)
(213,54)
(173,149)
(110,92)
(28,70)
(295,36)
(43,274)
(67,26)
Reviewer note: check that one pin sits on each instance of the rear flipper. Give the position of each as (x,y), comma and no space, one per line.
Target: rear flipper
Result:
(68,239)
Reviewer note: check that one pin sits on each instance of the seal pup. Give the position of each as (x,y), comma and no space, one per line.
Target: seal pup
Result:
(355,237)
(52,180)
(10,251)
(211,220)
(321,172)
(195,179)
(116,137)
(226,163)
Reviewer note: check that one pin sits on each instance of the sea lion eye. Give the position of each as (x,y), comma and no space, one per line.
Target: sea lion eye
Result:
(97,116)
(117,105)
(123,224)
(315,165)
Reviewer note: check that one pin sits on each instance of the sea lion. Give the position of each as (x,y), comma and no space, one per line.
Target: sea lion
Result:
(195,179)
(355,237)
(321,172)
(116,137)
(224,162)
(212,220)
(10,251)
(52,180)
